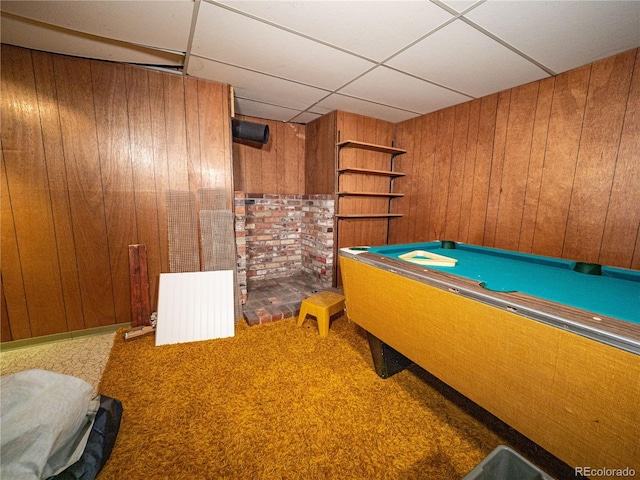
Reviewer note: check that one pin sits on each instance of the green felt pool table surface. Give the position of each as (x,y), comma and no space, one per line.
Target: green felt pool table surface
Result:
(615,292)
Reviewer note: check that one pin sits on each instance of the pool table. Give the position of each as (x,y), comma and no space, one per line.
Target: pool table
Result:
(549,346)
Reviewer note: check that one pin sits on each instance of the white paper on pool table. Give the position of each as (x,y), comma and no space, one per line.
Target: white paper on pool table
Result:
(423,257)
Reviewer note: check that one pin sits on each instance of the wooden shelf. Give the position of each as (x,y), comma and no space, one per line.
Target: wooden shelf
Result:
(368,171)
(370,194)
(372,147)
(368,215)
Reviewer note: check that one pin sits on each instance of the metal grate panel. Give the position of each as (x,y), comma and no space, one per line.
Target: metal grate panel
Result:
(184,247)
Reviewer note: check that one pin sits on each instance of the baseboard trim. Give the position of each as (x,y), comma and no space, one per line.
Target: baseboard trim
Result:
(61,337)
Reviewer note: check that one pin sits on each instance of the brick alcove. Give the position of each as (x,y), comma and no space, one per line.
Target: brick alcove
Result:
(284,250)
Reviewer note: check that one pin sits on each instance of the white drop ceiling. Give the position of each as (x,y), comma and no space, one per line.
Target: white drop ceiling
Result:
(297,60)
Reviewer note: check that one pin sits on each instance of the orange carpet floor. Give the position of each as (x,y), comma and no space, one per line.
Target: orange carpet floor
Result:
(278,402)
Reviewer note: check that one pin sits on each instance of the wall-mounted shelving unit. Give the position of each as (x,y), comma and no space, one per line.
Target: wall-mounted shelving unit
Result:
(354,158)
(390,174)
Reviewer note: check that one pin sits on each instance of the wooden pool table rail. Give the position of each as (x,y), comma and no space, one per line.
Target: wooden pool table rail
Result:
(602,328)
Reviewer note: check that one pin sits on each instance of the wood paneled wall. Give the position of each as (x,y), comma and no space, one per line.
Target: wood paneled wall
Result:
(89,149)
(276,167)
(551,167)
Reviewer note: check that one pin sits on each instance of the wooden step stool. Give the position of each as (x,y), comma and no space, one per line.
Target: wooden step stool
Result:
(321,305)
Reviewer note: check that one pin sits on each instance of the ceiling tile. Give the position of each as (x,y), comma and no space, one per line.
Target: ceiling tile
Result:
(563,35)
(408,93)
(263,110)
(460,5)
(464,59)
(375,29)
(362,107)
(300,59)
(130,21)
(38,36)
(256,86)
(305,117)
(235,39)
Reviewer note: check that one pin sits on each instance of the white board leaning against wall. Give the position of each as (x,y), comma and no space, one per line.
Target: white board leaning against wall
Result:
(195,306)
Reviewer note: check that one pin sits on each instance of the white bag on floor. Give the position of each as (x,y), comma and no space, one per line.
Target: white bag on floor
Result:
(45,423)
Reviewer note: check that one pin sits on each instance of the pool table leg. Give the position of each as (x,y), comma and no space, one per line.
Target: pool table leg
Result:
(386,360)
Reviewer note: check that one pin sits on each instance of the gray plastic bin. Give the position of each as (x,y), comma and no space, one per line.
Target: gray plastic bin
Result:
(505,464)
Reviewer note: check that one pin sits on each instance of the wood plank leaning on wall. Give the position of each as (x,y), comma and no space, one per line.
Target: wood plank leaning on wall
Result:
(89,149)
(551,167)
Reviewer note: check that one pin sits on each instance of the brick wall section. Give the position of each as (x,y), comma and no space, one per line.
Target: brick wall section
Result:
(317,236)
(273,235)
(241,244)
(280,235)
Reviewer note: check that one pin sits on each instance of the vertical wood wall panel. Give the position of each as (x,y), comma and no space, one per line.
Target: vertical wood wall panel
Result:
(599,144)
(425,176)
(141,139)
(281,154)
(253,170)
(269,161)
(319,154)
(280,150)
(12,283)
(456,177)
(57,178)
(513,183)
(291,153)
(405,135)
(621,237)
(226,155)
(552,168)
(482,168)
(32,215)
(536,163)
(33,226)
(214,136)
(161,169)
(250,159)
(469,171)
(497,166)
(4,314)
(194,166)
(114,140)
(192,131)
(277,167)
(86,196)
(635,261)
(176,132)
(428,177)
(92,148)
(563,142)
